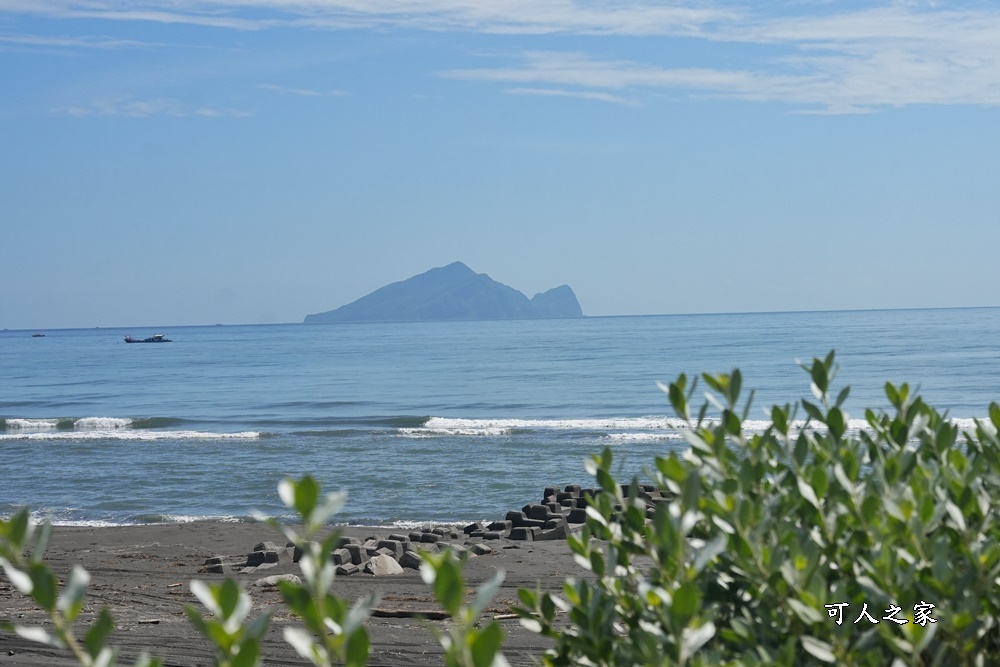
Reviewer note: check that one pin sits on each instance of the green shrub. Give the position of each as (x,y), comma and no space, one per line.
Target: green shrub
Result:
(773,546)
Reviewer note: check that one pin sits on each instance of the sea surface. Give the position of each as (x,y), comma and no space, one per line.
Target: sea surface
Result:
(420,422)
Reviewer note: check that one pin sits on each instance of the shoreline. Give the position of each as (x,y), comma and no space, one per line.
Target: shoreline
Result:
(142,573)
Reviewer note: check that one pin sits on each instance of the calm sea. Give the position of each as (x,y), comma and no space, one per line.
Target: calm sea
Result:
(419,422)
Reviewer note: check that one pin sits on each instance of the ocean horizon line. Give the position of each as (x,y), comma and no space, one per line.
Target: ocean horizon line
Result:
(589,317)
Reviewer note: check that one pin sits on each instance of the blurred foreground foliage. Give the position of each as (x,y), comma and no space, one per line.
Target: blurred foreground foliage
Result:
(809,542)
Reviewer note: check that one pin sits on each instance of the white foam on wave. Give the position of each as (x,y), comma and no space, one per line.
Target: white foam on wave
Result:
(492,428)
(642,437)
(599,424)
(99,423)
(32,424)
(59,518)
(648,428)
(124,434)
(471,432)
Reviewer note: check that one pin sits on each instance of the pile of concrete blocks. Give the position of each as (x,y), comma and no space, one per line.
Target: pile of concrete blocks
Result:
(374,555)
(558,515)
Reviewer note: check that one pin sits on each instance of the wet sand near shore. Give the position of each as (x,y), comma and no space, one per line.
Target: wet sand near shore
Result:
(142,573)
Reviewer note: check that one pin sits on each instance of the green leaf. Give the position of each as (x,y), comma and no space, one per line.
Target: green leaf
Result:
(818,649)
(449,587)
(357,649)
(808,614)
(842,396)
(44,589)
(819,376)
(779,416)
(486,644)
(671,467)
(892,395)
(306,496)
(820,482)
(249,655)
(96,637)
(597,563)
(71,599)
(813,411)
(685,602)
(836,422)
(228,595)
(732,422)
(18,529)
(21,580)
(807,492)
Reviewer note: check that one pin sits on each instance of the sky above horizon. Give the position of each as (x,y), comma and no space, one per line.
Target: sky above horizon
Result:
(173,162)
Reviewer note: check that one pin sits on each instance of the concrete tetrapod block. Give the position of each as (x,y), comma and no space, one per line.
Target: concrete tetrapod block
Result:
(473,527)
(515,518)
(383,565)
(256,558)
(396,546)
(411,559)
(358,554)
(538,511)
(522,533)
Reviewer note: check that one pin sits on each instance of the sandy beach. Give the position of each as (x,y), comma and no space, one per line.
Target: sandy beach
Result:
(142,572)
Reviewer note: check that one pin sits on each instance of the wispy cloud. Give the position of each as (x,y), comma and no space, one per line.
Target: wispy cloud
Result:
(839,66)
(142,108)
(817,56)
(499,16)
(304,92)
(583,95)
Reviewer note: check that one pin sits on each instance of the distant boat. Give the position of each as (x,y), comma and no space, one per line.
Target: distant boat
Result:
(38,335)
(155,338)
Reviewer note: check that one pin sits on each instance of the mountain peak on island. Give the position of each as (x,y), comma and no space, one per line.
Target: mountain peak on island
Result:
(452,292)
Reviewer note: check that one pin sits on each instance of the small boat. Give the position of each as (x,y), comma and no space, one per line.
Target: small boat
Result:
(38,335)
(155,338)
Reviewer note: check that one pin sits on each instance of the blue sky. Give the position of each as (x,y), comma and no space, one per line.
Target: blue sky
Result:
(252,161)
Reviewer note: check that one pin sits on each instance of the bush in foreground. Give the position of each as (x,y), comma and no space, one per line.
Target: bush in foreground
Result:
(802,543)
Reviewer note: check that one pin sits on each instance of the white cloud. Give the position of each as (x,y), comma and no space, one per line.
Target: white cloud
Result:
(142,108)
(304,92)
(557,92)
(73,42)
(816,55)
(500,16)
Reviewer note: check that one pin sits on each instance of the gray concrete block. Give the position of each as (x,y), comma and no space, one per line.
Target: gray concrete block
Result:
(522,533)
(358,554)
(411,560)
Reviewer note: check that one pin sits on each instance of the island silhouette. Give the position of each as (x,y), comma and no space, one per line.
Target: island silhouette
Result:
(452,292)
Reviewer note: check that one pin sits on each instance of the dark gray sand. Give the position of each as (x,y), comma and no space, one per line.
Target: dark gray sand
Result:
(142,572)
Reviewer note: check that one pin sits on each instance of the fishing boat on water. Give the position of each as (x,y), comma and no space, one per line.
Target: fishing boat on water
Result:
(155,338)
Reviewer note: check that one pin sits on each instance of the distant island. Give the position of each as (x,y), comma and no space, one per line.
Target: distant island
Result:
(453,292)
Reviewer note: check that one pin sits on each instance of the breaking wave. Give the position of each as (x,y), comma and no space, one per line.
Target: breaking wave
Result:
(632,429)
